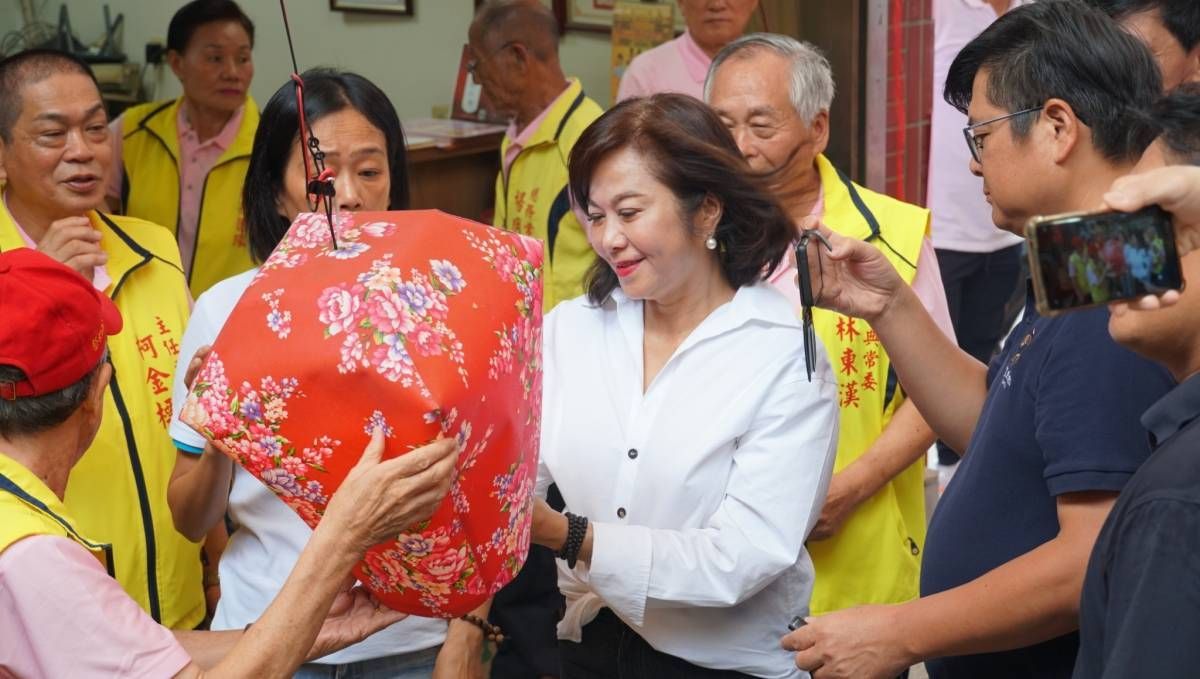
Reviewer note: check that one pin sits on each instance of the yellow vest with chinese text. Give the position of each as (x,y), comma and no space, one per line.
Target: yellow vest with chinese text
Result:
(150,190)
(876,556)
(118,490)
(533,198)
(28,507)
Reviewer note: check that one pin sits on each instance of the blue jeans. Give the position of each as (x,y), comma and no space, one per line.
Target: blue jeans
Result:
(415,665)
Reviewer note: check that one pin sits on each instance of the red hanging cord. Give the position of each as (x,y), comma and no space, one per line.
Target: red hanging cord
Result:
(318,181)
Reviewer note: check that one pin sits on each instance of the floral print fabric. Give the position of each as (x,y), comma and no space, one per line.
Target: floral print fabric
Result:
(419,323)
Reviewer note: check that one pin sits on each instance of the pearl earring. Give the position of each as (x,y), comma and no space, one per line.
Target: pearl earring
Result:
(711,243)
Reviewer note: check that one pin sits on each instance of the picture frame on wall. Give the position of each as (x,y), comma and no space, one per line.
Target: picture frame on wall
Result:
(596,16)
(393,7)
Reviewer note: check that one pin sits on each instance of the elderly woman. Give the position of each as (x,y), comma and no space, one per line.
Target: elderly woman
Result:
(364,145)
(182,161)
(691,450)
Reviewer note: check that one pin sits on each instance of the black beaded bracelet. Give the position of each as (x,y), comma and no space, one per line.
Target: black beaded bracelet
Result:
(576,530)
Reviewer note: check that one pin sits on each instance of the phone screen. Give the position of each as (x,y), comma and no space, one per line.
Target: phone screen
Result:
(1084,260)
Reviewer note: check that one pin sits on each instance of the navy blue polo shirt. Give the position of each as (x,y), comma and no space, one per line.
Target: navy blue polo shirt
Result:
(1061,416)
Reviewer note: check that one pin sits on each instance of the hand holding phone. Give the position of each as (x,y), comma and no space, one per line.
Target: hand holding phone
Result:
(1082,260)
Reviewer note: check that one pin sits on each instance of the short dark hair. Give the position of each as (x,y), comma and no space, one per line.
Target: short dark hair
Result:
(27,68)
(196,13)
(1068,50)
(1181,17)
(1177,119)
(326,91)
(691,152)
(30,415)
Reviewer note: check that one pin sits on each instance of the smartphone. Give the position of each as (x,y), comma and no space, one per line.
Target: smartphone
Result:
(1083,259)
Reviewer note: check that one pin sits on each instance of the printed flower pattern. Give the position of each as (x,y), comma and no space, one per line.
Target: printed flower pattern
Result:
(419,324)
(515,492)
(386,318)
(247,421)
(278,320)
(439,563)
(520,343)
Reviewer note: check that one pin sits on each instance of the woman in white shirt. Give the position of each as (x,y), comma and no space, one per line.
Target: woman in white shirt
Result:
(678,418)
(360,133)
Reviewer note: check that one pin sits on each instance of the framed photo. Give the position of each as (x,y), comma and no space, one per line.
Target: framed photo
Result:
(597,15)
(396,7)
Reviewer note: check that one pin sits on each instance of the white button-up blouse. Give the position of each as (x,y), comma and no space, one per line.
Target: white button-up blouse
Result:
(702,489)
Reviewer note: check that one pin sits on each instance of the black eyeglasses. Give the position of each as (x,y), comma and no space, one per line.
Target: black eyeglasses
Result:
(473,64)
(975,141)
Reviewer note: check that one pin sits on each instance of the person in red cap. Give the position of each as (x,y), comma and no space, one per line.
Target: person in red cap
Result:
(55,152)
(61,613)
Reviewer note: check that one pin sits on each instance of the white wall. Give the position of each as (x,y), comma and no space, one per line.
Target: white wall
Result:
(414,60)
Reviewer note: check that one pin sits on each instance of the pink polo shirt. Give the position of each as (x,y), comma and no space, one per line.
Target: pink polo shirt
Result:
(962,218)
(519,139)
(62,615)
(677,65)
(196,160)
(927,282)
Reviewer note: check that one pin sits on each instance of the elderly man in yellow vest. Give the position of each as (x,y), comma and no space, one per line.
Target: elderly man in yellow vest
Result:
(182,162)
(774,93)
(514,56)
(55,152)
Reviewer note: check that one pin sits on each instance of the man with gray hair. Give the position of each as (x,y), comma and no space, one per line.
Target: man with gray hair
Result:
(773,93)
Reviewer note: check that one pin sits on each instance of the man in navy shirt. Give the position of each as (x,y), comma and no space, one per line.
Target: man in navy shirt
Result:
(1140,611)
(1050,431)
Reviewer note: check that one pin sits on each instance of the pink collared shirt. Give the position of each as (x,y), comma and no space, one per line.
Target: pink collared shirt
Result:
(927,282)
(196,160)
(519,139)
(962,218)
(677,65)
(61,615)
(100,278)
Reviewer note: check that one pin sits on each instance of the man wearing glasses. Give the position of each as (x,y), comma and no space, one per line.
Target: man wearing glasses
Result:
(980,264)
(513,47)
(1050,431)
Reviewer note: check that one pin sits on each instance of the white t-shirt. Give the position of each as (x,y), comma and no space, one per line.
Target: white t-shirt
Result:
(263,550)
(962,218)
(701,489)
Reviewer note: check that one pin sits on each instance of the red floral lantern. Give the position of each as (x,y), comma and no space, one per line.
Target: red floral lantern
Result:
(423,324)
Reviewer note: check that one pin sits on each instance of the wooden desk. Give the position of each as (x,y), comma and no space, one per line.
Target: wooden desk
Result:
(460,179)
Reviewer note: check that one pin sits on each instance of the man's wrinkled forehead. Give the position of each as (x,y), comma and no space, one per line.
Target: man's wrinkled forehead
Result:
(59,97)
(767,94)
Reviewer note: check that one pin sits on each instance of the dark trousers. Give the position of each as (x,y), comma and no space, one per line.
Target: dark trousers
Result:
(611,650)
(980,289)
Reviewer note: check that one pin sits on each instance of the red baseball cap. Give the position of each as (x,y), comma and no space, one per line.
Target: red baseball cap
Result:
(54,323)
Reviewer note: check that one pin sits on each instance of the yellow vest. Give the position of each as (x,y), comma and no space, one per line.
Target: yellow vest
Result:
(28,507)
(150,190)
(876,557)
(533,199)
(118,490)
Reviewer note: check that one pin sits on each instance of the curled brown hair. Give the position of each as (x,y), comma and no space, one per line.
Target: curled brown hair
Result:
(693,155)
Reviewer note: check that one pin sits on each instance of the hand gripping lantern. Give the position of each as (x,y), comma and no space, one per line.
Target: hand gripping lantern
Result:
(423,324)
